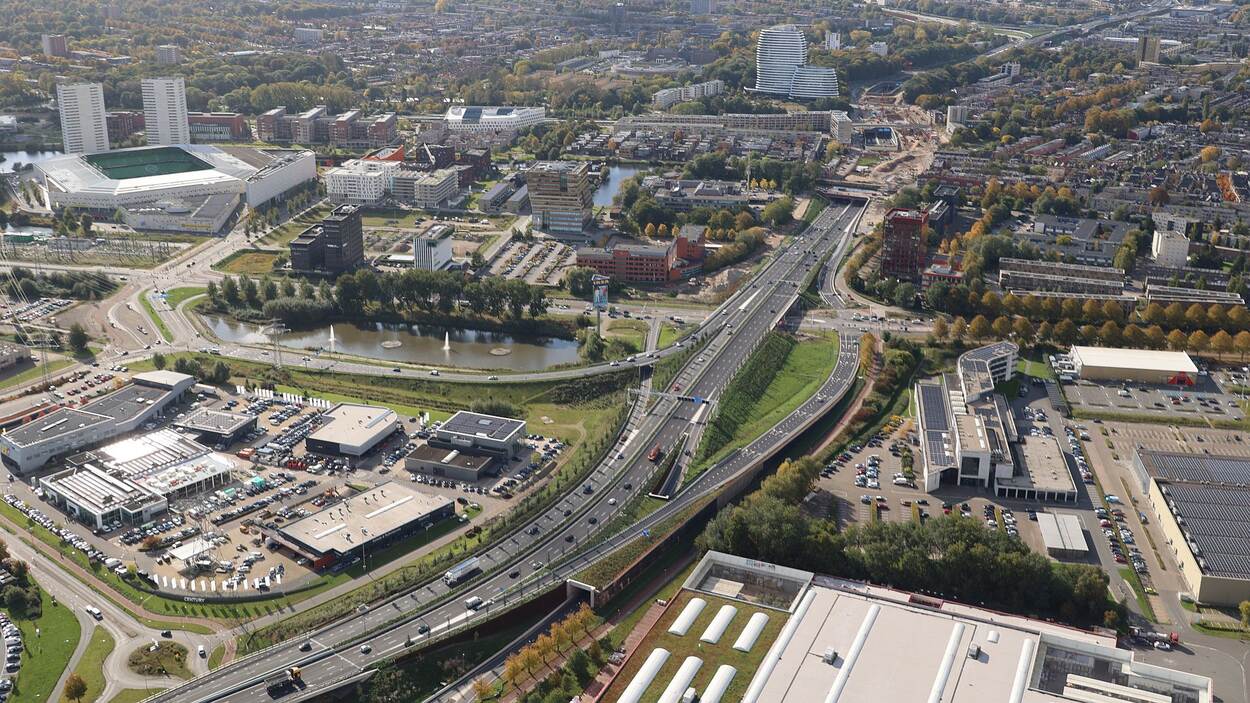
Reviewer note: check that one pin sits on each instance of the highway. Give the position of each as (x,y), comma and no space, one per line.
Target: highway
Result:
(566,538)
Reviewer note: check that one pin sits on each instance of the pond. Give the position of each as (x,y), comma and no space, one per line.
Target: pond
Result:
(612,184)
(25,157)
(419,344)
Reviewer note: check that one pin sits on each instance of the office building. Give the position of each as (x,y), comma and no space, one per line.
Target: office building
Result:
(493,120)
(1031,275)
(55,45)
(217,426)
(308,35)
(348,531)
(431,250)
(782,635)
(1170,248)
(352,429)
(168,54)
(560,196)
(429,190)
(650,263)
(360,181)
(333,246)
(469,446)
(1201,504)
(903,244)
(1147,49)
(879,48)
(218,127)
(165,111)
(702,7)
(843,127)
(781,66)
(1078,239)
(123,124)
(1133,365)
(12,355)
(833,40)
(32,445)
(84,127)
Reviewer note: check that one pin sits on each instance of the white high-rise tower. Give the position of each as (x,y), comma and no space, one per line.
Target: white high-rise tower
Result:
(781,66)
(165,111)
(84,129)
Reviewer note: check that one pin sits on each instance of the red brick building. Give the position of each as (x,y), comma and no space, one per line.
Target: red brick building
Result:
(650,263)
(903,244)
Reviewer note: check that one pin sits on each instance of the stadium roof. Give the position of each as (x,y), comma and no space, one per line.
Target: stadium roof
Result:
(1135,359)
(136,171)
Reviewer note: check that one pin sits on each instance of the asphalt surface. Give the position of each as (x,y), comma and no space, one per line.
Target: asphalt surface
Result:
(566,538)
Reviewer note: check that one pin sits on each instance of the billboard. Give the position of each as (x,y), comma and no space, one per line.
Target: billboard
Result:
(600,283)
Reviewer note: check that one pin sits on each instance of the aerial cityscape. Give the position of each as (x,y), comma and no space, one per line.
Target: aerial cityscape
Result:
(638,351)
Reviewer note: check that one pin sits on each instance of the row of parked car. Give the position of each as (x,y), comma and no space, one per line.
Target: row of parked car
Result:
(137,535)
(275,480)
(12,654)
(77,541)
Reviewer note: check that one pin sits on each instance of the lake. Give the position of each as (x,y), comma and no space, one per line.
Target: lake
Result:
(612,184)
(419,344)
(25,157)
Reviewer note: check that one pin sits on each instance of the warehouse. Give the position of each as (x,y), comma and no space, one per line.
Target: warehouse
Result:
(217,426)
(352,429)
(28,447)
(842,641)
(487,434)
(1133,365)
(1202,505)
(455,464)
(1062,535)
(362,524)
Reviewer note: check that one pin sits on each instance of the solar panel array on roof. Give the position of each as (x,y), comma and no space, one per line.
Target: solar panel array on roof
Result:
(1217,521)
(1228,470)
(933,407)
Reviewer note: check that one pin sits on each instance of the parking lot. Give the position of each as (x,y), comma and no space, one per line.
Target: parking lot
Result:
(1204,399)
(541,262)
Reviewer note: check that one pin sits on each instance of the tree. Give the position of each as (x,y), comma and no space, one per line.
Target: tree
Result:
(1109,334)
(159,361)
(85,223)
(1001,327)
(940,328)
(979,328)
(779,211)
(1242,344)
(1243,608)
(1222,342)
(78,338)
(959,328)
(1177,340)
(75,687)
(1198,341)
(1023,329)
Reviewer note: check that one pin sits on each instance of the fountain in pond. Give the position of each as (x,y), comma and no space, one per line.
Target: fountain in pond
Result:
(446,341)
(333,339)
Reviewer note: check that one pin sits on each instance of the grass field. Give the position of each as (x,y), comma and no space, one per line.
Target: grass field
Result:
(806,368)
(282,235)
(1036,367)
(252,262)
(396,218)
(168,658)
(47,654)
(215,656)
(175,296)
(713,655)
(134,695)
(631,331)
(91,666)
(33,373)
(157,322)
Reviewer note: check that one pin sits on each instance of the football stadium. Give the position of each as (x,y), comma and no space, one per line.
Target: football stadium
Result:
(190,187)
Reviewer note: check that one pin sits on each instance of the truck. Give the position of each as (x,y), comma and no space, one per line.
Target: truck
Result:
(1170,638)
(656,453)
(457,573)
(281,682)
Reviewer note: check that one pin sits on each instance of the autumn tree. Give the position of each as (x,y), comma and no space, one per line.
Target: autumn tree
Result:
(75,687)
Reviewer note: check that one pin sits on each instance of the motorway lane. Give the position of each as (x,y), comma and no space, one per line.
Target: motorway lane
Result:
(560,531)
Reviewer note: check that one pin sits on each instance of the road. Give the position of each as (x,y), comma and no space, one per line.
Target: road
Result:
(567,537)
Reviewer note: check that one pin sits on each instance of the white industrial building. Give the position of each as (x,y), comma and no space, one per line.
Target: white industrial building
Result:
(131,481)
(1170,248)
(30,446)
(850,642)
(84,128)
(165,111)
(781,66)
(493,119)
(1139,365)
(175,179)
(360,181)
(1062,535)
(352,429)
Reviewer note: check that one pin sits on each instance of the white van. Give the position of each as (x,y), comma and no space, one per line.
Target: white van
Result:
(94,612)
(473,603)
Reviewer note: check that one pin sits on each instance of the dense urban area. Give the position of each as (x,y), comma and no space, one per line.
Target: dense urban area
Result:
(652,351)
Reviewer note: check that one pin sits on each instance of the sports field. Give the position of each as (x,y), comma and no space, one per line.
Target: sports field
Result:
(138,163)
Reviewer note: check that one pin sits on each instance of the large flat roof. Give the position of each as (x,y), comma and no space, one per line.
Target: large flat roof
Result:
(1042,467)
(1062,531)
(954,653)
(116,407)
(215,421)
(352,423)
(97,489)
(364,517)
(1135,359)
(478,425)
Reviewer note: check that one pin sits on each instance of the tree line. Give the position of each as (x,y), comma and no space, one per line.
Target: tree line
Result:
(950,556)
